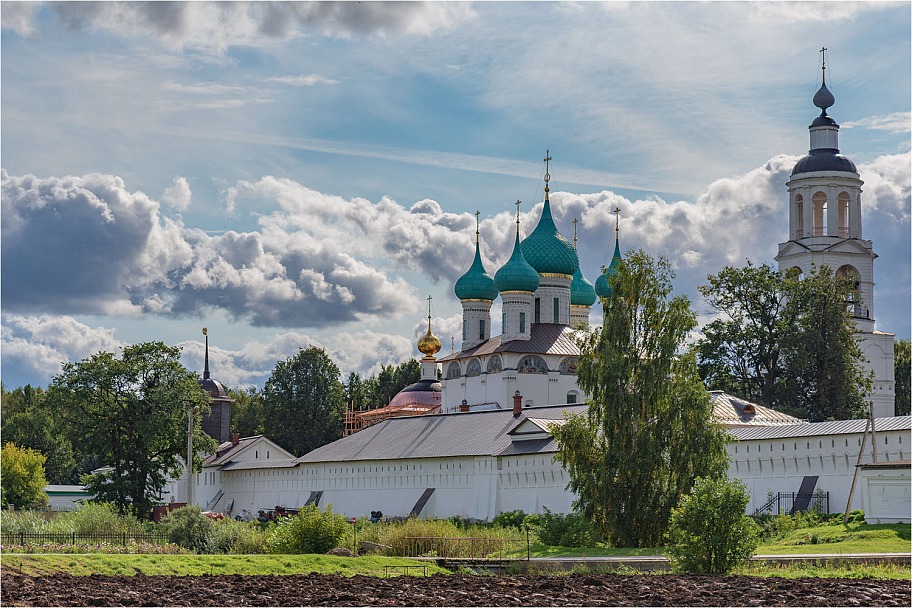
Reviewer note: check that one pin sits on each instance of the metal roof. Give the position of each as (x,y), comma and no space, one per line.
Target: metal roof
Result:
(443,435)
(284,463)
(835,427)
(545,339)
(733,412)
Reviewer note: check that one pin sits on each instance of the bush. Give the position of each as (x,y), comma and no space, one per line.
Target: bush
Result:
(230,536)
(709,532)
(557,529)
(97,518)
(310,531)
(510,519)
(189,528)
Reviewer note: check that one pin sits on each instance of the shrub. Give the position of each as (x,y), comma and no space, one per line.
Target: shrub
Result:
(510,519)
(96,518)
(709,532)
(310,531)
(189,528)
(230,536)
(570,530)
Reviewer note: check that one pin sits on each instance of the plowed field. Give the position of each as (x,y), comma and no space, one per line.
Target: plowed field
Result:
(456,590)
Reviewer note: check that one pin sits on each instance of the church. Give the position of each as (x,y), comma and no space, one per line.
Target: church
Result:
(482,443)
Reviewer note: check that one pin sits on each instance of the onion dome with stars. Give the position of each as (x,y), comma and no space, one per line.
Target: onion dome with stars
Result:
(517,274)
(824,151)
(476,283)
(582,292)
(546,249)
(602,284)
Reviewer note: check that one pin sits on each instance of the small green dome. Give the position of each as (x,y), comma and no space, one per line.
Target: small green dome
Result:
(602,286)
(547,250)
(582,293)
(516,274)
(476,283)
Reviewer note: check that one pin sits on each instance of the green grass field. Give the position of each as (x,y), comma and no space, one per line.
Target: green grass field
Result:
(182,565)
(840,539)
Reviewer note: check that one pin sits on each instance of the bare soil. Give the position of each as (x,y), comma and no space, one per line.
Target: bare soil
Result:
(439,590)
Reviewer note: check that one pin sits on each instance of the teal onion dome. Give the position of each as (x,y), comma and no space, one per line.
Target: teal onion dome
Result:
(582,292)
(476,283)
(547,250)
(602,286)
(516,274)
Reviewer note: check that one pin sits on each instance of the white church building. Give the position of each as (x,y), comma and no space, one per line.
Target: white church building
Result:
(490,448)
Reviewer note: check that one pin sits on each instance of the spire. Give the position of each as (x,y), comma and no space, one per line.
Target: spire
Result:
(476,283)
(546,249)
(206,364)
(602,284)
(517,274)
(823,99)
(582,292)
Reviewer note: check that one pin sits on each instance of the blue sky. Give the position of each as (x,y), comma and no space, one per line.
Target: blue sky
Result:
(290,174)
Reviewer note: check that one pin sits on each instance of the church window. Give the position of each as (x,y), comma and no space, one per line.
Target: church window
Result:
(503,321)
(820,209)
(481,329)
(465,330)
(453,370)
(537,316)
(571,397)
(556,310)
(473,369)
(799,216)
(495,365)
(522,322)
(532,364)
(842,202)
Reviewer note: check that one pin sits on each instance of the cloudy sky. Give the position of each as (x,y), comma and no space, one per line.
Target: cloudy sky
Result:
(289,174)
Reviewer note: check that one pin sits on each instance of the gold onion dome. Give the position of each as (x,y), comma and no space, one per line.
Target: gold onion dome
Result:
(429,344)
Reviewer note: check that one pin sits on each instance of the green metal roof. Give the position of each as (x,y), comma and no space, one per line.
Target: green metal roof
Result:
(582,292)
(602,286)
(516,274)
(476,283)
(547,250)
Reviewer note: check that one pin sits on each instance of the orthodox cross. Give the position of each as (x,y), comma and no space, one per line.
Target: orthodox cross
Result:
(575,220)
(617,220)
(518,203)
(547,172)
(823,62)
(477,213)
(452,344)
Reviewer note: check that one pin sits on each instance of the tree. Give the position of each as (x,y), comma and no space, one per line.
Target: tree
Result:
(786,342)
(381,388)
(22,478)
(132,412)
(647,433)
(824,376)
(709,533)
(303,402)
(902,371)
(740,351)
(247,412)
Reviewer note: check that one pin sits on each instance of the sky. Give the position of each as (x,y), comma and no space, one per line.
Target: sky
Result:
(297,174)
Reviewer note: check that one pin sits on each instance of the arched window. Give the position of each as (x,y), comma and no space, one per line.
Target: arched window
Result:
(842,203)
(531,364)
(495,365)
(453,370)
(572,397)
(474,368)
(799,216)
(820,208)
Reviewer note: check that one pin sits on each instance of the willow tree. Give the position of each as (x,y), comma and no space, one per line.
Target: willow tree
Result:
(647,433)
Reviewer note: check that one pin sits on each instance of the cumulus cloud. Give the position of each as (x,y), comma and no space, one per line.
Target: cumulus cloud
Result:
(35,347)
(19,17)
(178,195)
(213,27)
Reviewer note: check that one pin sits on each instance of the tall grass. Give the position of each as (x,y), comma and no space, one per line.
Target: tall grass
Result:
(390,535)
(91,518)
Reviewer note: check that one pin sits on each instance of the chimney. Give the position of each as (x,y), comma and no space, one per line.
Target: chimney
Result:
(517,404)
(236,438)
(464,406)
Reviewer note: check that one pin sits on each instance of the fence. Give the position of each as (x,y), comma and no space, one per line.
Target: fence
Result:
(72,538)
(462,548)
(784,502)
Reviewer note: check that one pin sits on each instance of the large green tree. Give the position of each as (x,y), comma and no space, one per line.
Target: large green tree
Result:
(22,478)
(648,432)
(247,412)
(784,341)
(303,402)
(902,369)
(132,412)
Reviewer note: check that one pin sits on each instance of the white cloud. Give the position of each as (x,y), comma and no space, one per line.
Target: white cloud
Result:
(19,17)
(178,195)
(812,11)
(308,80)
(897,122)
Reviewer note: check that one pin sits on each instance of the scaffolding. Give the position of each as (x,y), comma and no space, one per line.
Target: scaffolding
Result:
(359,419)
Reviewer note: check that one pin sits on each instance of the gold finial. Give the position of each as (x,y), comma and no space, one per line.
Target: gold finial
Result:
(575,220)
(547,172)
(204,331)
(429,344)
(617,221)
(477,213)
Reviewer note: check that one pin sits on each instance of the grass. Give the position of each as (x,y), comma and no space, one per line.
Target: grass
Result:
(844,570)
(842,538)
(539,549)
(184,565)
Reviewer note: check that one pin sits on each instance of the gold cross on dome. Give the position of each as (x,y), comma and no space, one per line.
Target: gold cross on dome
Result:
(477,213)
(575,220)
(617,220)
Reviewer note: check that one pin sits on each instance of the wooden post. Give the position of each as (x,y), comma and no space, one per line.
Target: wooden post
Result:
(864,440)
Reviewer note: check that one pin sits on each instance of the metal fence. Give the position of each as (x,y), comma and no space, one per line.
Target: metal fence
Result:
(73,538)
(784,502)
(462,548)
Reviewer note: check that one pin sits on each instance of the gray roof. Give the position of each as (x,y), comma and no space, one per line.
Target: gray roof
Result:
(442,435)
(836,427)
(545,339)
(732,411)
(284,463)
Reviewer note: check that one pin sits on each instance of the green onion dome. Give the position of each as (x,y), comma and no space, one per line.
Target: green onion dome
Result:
(516,274)
(546,249)
(602,286)
(582,293)
(476,283)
